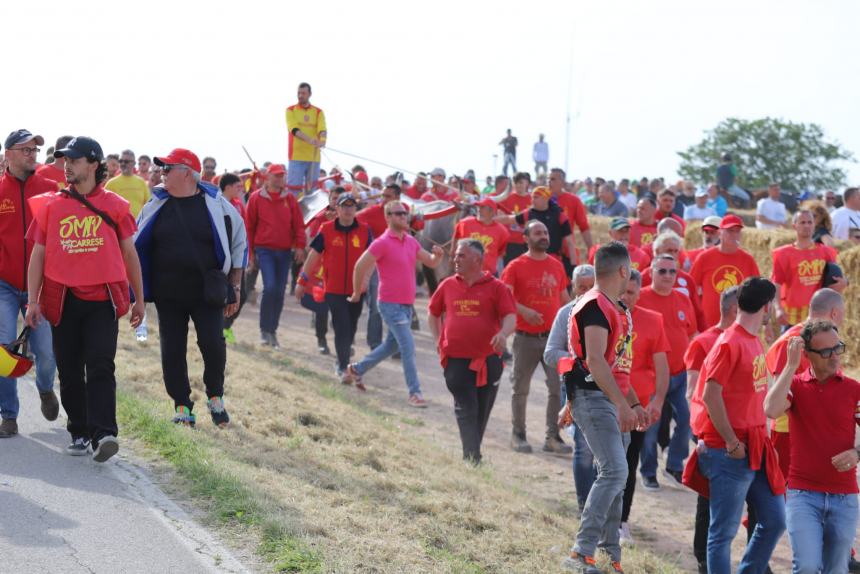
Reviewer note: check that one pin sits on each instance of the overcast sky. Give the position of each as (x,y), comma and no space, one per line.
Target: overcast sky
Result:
(436,83)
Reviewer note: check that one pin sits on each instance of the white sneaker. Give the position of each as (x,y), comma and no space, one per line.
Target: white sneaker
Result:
(625,538)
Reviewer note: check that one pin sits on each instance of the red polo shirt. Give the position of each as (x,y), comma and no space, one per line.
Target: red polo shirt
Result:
(473,315)
(537,284)
(823,419)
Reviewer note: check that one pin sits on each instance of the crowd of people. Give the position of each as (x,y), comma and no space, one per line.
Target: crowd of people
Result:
(643,344)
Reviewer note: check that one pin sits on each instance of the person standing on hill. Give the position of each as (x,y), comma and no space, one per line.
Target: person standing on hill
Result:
(540,155)
(509,145)
(307,135)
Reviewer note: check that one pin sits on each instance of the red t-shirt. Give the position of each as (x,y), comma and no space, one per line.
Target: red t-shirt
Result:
(714,272)
(685,285)
(127,227)
(679,322)
(641,234)
(537,284)
(639,259)
(473,314)
(649,338)
(823,419)
(516,204)
(799,273)
(51,171)
(777,357)
(693,254)
(737,364)
(494,238)
(574,209)
(699,348)
(445,194)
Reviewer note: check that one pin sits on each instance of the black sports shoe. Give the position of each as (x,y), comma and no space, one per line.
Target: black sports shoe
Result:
(650,483)
(219,414)
(674,478)
(107,447)
(322,347)
(78,447)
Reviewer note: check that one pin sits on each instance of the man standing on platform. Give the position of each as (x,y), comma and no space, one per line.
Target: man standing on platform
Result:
(307,134)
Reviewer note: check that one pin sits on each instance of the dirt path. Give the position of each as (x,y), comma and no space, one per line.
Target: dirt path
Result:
(661,522)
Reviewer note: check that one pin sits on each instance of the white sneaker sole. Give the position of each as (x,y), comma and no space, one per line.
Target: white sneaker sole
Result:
(108,447)
(75,452)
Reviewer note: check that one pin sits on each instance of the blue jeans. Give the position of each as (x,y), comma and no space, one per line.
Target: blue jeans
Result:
(597,418)
(821,527)
(733,482)
(12,304)
(274,266)
(398,318)
(679,446)
(584,471)
(302,175)
(509,160)
(374,319)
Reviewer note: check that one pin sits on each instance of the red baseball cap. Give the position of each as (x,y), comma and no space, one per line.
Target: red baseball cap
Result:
(487,202)
(275,169)
(179,156)
(730,221)
(361,176)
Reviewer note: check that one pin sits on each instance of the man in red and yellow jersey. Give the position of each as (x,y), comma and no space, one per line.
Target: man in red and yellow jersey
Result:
(307,134)
(798,269)
(492,234)
(643,229)
(517,202)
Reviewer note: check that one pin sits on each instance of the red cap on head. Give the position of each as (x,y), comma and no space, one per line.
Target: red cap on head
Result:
(730,221)
(361,176)
(487,202)
(276,168)
(179,156)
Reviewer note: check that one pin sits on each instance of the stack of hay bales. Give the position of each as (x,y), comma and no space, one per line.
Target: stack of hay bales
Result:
(760,243)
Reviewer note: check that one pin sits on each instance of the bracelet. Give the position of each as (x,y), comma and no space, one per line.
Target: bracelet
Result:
(736,447)
(637,404)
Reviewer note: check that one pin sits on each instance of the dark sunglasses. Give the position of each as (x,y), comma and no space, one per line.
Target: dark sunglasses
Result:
(399,213)
(667,271)
(168,168)
(125,161)
(828,352)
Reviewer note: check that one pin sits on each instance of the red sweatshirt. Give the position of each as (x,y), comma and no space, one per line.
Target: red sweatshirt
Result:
(274,222)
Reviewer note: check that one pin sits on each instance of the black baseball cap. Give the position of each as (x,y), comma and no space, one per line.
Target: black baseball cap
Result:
(82,146)
(346,198)
(22,136)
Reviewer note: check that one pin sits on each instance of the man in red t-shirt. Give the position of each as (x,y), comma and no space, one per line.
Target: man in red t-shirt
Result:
(517,202)
(643,229)
(439,190)
(670,243)
(471,316)
(716,270)
(619,230)
(679,322)
(735,453)
(666,208)
(492,234)
(539,285)
(710,238)
(649,377)
(798,269)
(56,169)
(823,407)
(419,188)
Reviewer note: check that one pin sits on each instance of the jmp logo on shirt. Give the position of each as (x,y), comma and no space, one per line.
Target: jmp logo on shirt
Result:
(6,206)
(78,235)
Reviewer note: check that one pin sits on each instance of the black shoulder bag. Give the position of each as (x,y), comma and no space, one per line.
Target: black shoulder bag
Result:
(216,288)
(82,199)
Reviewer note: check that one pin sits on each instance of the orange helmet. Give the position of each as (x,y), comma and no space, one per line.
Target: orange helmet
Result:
(14,361)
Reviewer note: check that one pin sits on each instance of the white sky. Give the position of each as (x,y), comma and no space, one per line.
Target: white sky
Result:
(435,83)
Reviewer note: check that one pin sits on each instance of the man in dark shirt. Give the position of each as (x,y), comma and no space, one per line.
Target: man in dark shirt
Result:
(509,144)
(188,228)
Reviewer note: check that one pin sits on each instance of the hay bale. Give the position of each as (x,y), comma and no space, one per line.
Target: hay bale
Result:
(849,260)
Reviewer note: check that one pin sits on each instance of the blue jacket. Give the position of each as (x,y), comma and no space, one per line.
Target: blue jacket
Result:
(229,254)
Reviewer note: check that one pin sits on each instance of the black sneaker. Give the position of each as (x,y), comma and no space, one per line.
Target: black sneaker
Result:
(703,567)
(273,341)
(184,416)
(107,447)
(50,406)
(78,447)
(674,478)
(220,418)
(650,483)
(322,347)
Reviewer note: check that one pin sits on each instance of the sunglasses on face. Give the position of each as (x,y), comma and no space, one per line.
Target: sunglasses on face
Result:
(667,271)
(829,351)
(168,168)
(398,213)
(126,161)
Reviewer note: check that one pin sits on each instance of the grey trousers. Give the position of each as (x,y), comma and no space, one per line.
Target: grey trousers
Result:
(528,354)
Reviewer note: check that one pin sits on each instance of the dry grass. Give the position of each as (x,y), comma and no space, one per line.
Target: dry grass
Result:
(352,483)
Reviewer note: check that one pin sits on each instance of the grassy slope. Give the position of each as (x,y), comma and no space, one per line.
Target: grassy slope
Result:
(327,483)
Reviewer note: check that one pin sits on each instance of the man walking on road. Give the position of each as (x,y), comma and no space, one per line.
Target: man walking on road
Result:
(19,183)
(539,285)
(394,254)
(83,292)
(471,316)
(187,233)
(307,134)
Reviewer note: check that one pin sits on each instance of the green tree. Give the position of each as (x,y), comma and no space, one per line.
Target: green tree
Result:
(794,154)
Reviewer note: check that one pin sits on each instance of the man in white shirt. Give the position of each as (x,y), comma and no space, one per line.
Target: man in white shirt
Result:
(626,197)
(540,154)
(699,210)
(848,216)
(770,212)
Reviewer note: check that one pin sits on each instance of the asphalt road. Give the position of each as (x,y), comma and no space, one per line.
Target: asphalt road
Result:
(68,515)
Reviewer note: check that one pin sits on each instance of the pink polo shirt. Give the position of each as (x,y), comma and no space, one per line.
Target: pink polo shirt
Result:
(395,260)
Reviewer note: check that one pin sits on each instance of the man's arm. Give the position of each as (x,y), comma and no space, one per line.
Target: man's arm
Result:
(361,274)
(595,345)
(35,275)
(435,322)
(556,343)
(509,324)
(692,379)
(713,399)
(431,261)
(135,278)
(661,371)
(776,401)
(506,218)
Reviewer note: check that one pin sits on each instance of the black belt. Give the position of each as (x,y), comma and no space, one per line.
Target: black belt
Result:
(543,335)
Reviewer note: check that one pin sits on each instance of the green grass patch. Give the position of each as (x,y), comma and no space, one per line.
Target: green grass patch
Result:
(231,501)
